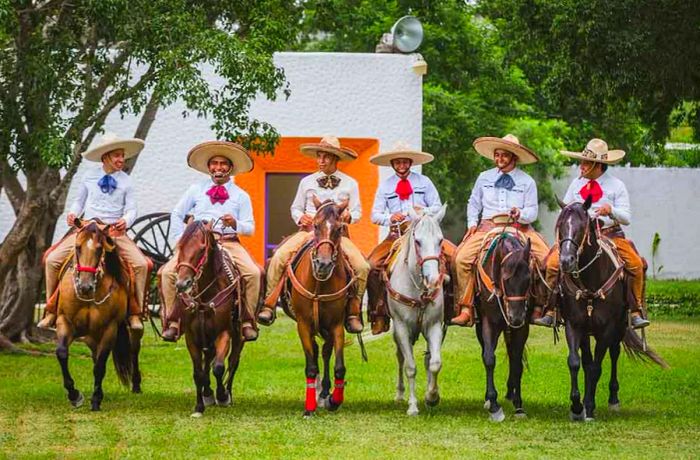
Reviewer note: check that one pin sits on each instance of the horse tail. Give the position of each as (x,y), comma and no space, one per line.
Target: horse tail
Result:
(636,349)
(121,355)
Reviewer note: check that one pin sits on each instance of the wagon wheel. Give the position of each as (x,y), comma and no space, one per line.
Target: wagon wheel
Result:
(150,233)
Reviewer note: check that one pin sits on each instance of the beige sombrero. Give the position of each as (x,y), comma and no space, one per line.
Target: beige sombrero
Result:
(199,156)
(329,144)
(597,151)
(401,150)
(486,146)
(109,142)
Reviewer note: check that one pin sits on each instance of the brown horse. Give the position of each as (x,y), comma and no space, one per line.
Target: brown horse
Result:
(93,297)
(322,282)
(210,291)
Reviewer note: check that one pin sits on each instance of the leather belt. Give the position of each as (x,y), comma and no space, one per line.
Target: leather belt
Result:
(487,224)
(614,231)
(230,237)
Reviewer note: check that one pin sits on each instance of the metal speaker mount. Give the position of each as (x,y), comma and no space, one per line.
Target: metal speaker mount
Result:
(407,34)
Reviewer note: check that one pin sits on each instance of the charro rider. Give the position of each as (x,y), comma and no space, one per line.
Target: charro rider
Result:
(396,195)
(217,199)
(327,183)
(505,189)
(105,193)
(610,204)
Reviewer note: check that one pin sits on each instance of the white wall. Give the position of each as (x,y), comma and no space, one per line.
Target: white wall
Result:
(343,94)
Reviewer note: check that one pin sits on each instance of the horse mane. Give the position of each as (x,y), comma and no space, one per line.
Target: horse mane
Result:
(326,210)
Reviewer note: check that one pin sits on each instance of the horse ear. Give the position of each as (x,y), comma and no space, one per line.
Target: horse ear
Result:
(561,203)
(317,202)
(208,224)
(342,206)
(412,213)
(441,213)
(587,204)
(78,223)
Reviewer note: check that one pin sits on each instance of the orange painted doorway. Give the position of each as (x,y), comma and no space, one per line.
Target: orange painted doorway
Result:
(288,162)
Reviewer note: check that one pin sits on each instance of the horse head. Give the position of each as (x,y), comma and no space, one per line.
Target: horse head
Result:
(513,276)
(92,243)
(573,229)
(193,250)
(328,231)
(427,245)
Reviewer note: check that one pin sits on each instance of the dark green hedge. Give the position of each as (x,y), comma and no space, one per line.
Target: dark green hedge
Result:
(673,298)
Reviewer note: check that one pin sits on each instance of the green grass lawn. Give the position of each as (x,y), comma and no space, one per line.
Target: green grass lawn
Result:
(659,417)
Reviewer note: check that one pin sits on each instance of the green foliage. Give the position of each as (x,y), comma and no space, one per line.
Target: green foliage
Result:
(675,298)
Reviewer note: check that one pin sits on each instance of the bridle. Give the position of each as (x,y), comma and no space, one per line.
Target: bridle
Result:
(315,263)
(504,305)
(97,270)
(581,245)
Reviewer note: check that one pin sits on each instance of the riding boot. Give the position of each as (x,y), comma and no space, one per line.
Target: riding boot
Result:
(48,322)
(638,322)
(135,323)
(547,320)
(249,333)
(465,317)
(172,333)
(267,315)
(353,323)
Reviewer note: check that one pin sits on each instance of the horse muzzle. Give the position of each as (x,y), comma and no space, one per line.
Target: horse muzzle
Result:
(184,285)
(86,287)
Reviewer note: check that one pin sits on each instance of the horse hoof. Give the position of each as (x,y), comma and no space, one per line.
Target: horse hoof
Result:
(78,401)
(577,417)
(589,419)
(498,416)
(309,414)
(136,390)
(331,406)
(487,404)
(614,407)
(226,402)
(208,401)
(196,415)
(95,408)
(412,411)
(432,403)
(322,401)
(520,414)
(400,397)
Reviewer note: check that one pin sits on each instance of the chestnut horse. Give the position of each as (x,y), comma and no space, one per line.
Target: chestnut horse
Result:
(322,282)
(210,294)
(92,303)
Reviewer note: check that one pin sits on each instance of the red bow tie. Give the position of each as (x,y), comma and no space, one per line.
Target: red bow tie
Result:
(404,189)
(218,194)
(593,189)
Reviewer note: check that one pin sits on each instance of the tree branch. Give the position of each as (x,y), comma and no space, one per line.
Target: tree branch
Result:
(147,119)
(13,188)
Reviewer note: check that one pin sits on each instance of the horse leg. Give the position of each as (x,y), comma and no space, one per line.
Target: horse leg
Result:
(135,340)
(207,392)
(326,381)
(336,399)
(614,386)
(404,339)
(596,368)
(311,354)
(488,356)
(433,363)
(99,360)
(234,358)
(64,338)
(400,387)
(196,356)
(573,340)
(222,346)
(516,349)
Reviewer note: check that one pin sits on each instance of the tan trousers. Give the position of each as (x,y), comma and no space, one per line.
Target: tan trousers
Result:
(250,272)
(284,253)
(127,251)
(633,263)
(467,253)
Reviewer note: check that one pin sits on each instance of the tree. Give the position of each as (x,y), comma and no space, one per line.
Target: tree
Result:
(66,65)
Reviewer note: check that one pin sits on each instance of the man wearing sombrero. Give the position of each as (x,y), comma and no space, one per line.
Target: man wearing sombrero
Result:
(105,193)
(217,199)
(327,183)
(505,189)
(395,196)
(610,204)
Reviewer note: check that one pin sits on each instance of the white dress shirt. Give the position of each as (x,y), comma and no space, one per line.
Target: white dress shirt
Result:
(387,202)
(108,207)
(347,189)
(489,200)
(197,203)
(614,193)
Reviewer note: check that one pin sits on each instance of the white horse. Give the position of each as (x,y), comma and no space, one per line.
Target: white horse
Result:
(415,296)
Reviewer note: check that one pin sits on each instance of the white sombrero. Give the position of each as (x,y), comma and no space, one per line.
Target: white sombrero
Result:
(199,156)
(486,146)
(329,144)
(401,150)
(597,151)
(109,142)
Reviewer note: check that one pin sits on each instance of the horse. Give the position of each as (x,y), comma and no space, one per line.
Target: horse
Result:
(593,302)
(92,303)
(322,282)
(210,294)
(416,303)
(504,279)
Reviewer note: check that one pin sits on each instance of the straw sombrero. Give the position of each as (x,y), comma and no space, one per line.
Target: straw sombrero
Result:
(401,150)
(109,142)
(486,146)
(329,144)
(199,156)
(597,151)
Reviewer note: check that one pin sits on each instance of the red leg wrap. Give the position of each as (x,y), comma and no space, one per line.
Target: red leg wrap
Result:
(338,392)
(310,404)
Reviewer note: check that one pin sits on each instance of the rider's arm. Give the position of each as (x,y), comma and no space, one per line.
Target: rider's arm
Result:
(380,212)
(354,205)
(530,207)
(475,205)
(78,205)
(298,207)
(621,208)
(245,224)
(432,198)
(130,208)
(182,208)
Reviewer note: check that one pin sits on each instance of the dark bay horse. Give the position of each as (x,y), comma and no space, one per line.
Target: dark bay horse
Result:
(210,291)
(322,283)
(593,303)
(504,289)
(92,303)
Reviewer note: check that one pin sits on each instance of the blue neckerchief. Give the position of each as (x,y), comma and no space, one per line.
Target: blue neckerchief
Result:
(505,181)
(107,184)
